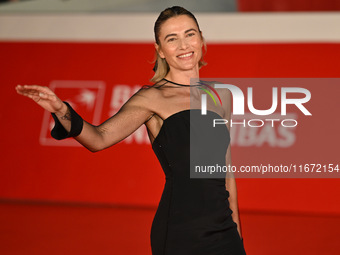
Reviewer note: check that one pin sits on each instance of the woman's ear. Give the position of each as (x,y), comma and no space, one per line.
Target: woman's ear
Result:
(159,50)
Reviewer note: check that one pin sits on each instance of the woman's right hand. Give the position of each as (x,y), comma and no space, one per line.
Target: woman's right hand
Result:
(44,97)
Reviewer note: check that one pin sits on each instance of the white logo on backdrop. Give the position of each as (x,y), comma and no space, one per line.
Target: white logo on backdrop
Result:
(85,97)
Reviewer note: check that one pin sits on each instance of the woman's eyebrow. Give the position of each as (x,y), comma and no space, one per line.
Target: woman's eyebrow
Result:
(186,31)
(191,29)
(169,36)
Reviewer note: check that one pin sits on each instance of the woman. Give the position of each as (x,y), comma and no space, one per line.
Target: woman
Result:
(194,216)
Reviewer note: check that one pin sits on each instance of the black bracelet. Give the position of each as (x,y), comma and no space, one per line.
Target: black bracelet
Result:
(59,132)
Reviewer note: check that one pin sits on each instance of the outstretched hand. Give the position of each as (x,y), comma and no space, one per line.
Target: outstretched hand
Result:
(43,96)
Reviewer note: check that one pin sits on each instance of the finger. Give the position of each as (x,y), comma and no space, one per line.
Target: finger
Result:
(21,91)
(23,88)
(33,94)
(18,87)
(37,87)
(28,89)
(41,89)
(26,92)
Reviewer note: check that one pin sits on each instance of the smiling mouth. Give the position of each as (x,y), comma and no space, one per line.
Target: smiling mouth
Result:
(186,55)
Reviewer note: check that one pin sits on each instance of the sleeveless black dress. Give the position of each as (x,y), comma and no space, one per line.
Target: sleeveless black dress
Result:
(193,216)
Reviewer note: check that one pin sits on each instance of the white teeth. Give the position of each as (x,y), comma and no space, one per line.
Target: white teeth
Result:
(186,55)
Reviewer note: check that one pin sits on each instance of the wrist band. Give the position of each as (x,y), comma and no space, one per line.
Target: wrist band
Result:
(59,132)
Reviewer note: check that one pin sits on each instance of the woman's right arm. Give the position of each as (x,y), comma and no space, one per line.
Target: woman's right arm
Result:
(134,113)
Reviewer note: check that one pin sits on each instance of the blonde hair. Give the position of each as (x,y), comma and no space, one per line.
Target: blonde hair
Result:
(161,67)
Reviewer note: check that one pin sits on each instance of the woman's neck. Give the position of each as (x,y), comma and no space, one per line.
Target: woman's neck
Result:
(182,77)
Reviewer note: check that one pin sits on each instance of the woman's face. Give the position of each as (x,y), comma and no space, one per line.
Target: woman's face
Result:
(180,43)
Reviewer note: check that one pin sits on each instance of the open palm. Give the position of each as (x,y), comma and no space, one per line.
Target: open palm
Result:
(43,96)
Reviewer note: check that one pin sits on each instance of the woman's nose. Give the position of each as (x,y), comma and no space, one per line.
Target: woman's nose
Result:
(183,44)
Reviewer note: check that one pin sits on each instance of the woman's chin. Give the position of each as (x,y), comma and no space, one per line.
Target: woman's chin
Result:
(189,67)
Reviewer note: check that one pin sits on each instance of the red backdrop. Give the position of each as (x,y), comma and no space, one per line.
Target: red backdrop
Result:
(32,168)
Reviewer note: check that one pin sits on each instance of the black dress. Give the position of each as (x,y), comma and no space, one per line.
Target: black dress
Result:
(193,216)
